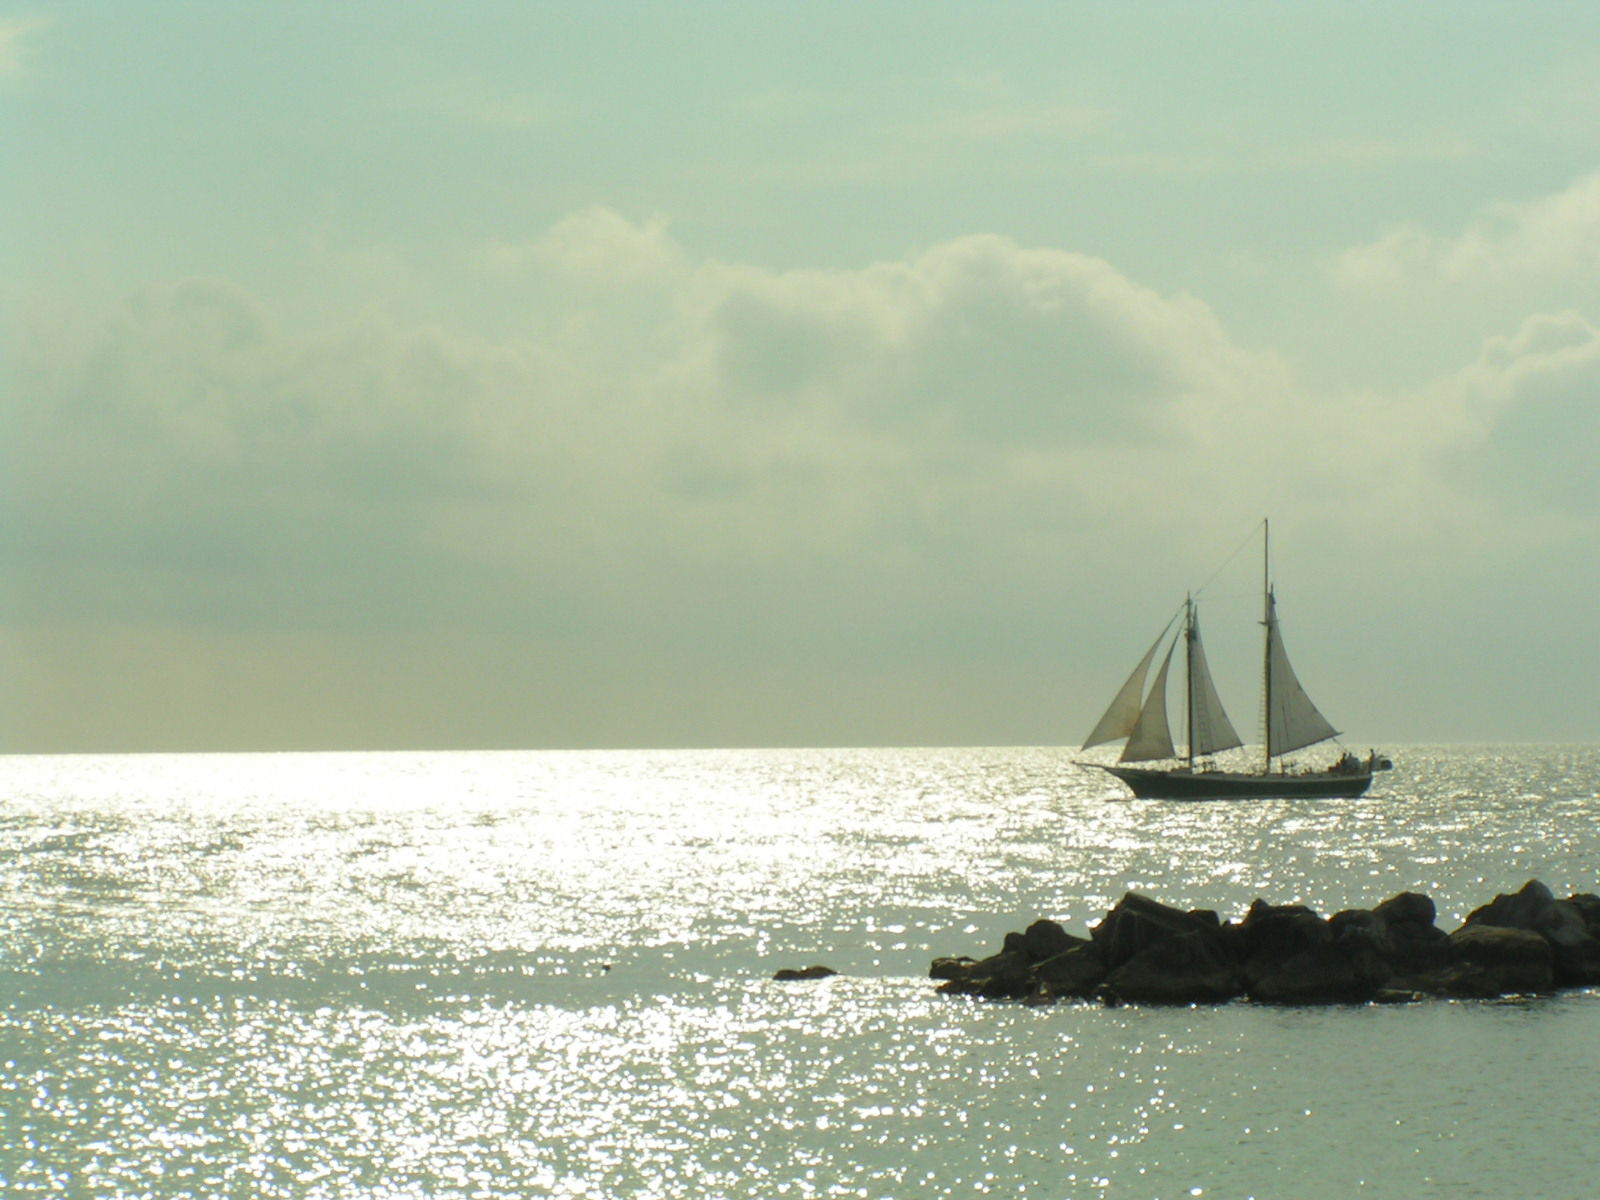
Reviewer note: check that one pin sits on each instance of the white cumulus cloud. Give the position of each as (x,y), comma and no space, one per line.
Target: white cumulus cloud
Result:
(1549,236)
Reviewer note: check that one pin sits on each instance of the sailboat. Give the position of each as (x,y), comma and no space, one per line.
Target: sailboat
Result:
(1292,723)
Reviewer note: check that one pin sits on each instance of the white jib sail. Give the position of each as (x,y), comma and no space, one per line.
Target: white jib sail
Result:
(1211,730)
(1293,721)
(1123,714)
(1151,736)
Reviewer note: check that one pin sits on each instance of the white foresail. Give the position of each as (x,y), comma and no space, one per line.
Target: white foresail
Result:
(1123,714)
(1210,731)
(1292,720)
(1151,737)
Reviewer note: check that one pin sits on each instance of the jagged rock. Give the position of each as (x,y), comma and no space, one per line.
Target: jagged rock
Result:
(1333,972)
(1364,928)
(1522,909)
(1562,923)
(1400,931)
(1076,972)
(788,974)
(1588,904)
(1045,939)
(1516,960)
(1185,969)
(1143,950)
(1277,931)
(1138,922)
(1419,944)
(1407,909)
(1578,964)
(1003,976)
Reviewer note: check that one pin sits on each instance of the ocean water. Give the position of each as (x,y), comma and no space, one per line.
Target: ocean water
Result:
(549,975)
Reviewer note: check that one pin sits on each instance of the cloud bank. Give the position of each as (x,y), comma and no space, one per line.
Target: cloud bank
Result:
(686,476)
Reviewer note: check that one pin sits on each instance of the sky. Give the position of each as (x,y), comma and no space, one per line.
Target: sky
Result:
(425,375)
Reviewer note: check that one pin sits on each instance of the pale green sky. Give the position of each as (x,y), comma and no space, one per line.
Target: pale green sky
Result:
(422,374)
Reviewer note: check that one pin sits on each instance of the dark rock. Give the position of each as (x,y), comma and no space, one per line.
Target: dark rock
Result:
(1138,922)
(1515,960)
(1454,981)
(1285,955)
(1002,976)
(788,974)
(1519,910)
(1076,972)
(1427,950)
(1045,939)
(1576,963)
(1588,904)
(1278,930)
(1365,928)
(1185,969)
(1563,923)
(1333,972)
(1407,909)
(1400,932)
(1145,951)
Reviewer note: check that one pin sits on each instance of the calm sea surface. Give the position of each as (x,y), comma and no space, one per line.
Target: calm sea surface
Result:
(549,974)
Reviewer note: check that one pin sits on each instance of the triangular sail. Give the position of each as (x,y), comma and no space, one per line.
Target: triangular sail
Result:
(1151,737)
(1293,721)
(1123,714)
(1210,729)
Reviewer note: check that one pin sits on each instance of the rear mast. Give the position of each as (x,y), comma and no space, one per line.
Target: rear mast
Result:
(1266,649)
(1188,678)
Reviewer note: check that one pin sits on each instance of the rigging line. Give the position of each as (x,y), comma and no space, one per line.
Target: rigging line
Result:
(1238,550)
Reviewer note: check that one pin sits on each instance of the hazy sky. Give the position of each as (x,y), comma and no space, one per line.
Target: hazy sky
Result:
(580,374)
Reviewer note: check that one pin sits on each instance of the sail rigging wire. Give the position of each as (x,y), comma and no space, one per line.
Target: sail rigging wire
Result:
(1238,550)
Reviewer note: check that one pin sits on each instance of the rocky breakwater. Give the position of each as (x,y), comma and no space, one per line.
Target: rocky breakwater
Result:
(1146,952)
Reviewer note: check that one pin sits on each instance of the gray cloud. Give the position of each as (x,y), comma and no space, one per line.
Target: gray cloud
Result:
(688,473)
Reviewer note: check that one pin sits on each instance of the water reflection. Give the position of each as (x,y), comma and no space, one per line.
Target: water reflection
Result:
(511,975)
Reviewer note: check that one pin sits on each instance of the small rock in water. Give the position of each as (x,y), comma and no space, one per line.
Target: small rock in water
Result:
(791,973)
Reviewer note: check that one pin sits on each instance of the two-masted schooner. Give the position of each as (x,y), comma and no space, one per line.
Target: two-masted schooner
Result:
(1292,723)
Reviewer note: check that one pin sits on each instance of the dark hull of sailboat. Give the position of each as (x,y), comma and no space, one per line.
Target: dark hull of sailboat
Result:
(1181,784)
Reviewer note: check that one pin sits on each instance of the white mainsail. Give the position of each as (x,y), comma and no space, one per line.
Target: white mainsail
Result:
(1210,731)
(1123,714)
(1293,721)
(1151,737)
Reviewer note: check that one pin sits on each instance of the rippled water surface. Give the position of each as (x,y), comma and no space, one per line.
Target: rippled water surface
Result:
(549,974)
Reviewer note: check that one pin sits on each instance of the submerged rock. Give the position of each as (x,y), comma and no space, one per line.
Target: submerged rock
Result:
(789,974)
